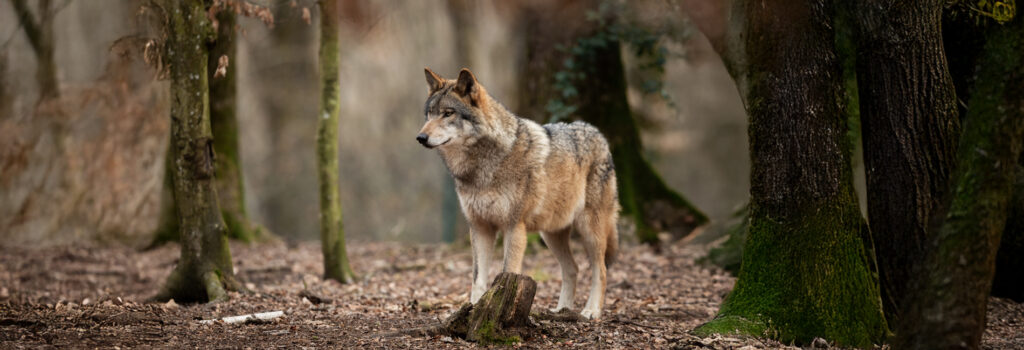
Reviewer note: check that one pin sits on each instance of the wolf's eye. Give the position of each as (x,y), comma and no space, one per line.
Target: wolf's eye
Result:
(448,113)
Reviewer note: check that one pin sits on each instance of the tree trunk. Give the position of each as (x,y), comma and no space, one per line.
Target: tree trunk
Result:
(40,37)
(453,223)
(224,124)
(167,225)
(204,271)
(947,296)
(806,270)
(230,188)
(910,129)
(504,306)
(332,237)
(642,193)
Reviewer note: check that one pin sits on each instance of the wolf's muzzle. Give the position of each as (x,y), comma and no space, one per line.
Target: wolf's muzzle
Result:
(422,139)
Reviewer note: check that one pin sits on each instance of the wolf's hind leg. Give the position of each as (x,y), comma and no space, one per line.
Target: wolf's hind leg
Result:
(591,228)
(515,247)
(558,242)
(482,239)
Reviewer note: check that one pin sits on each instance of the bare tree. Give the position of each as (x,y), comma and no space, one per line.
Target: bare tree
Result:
(39,31)
(204,271)
(332,235)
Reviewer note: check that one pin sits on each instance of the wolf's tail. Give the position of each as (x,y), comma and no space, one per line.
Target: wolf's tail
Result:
(611,249)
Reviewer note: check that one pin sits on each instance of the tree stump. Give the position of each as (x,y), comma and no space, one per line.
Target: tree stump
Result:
(505,306)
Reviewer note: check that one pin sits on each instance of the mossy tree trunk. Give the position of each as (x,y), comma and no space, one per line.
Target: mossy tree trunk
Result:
(332,237)
(642,193)
(204,271)
(492,320)
(806,270)
(223,102)
(948,293)
(40,38)
(223,121)
(910,127)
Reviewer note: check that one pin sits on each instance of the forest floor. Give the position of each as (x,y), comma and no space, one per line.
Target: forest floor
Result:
(93,297)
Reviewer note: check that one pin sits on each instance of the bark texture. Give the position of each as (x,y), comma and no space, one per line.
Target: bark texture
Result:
(40,37)
(506,305)
(332,236)
(806,270)
(204,271)
(910,128)
(230,186)
(947,297)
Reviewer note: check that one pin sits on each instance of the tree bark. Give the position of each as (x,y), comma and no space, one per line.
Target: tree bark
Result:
(204,271)
(41,39)
(948,293)
(504,306)
(910,128)
(229,180)
(224,125)
(332,236)
(806,269)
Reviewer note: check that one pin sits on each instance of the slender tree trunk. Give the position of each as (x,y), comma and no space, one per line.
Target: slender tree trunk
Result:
(948,293)
(642,193)
(453,223)
(230,188)
(6,96)
(204,271)
(40,37)
(910,129)
(806,270)
(332,237)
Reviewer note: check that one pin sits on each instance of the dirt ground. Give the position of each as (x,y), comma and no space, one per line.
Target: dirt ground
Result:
(92,297)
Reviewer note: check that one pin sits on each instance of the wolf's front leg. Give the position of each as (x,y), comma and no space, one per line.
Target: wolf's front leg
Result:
(515,247)
(482,239)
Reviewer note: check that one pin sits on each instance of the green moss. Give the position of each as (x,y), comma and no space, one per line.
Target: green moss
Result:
(488,333)
(736,325)
(807,277)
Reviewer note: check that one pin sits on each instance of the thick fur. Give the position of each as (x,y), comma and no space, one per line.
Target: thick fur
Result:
(513,175)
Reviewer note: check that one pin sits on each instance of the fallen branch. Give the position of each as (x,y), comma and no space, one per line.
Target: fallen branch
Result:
(263,316)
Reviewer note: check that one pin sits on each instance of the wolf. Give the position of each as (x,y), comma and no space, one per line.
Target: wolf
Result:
(513,175)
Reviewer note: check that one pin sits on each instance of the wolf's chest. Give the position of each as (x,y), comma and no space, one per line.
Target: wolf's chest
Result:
(495,206)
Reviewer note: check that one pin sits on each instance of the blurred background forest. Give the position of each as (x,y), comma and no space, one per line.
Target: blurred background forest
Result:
(88,164)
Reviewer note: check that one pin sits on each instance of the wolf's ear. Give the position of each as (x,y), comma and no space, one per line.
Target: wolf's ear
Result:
(434,81)
(467,86)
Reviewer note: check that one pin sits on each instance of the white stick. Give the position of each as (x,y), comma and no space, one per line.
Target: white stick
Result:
(264,316)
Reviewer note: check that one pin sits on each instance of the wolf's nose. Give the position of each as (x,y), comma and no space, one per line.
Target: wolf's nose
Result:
(422,138)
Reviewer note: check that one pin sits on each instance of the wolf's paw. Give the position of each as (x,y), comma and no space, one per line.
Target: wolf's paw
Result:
(591,314)
(559,309)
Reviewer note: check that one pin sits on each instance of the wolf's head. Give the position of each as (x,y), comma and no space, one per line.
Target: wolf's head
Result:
(454,111)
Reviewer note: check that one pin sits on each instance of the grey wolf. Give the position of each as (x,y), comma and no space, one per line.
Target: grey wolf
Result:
(513,175)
